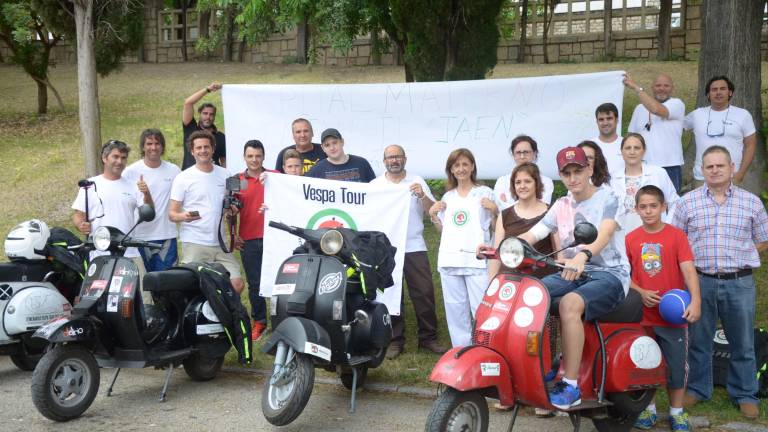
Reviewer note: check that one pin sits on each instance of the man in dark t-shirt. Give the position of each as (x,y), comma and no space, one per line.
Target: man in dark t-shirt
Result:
(207,112)
(339,165)
(311,153)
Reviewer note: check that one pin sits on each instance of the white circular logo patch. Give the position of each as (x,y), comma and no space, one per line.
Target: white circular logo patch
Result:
(92,270)
(533,296)
(492,288)
(720,337)
(507,291)
(523,317)
(491,323)
(645,353)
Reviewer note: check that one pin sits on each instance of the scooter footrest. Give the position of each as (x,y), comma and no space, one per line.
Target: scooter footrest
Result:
(587,404)
(358,360)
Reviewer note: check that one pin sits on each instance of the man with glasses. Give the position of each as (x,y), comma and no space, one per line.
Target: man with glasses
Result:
(416,269)
(725,125)
(659,119)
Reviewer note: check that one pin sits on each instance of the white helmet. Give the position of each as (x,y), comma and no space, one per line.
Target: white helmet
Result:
(27,236)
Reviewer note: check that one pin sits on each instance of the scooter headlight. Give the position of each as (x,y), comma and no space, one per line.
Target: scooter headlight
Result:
(331,242)
(102,238)
(511,252)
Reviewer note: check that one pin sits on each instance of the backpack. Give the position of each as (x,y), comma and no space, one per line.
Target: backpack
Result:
(721,357)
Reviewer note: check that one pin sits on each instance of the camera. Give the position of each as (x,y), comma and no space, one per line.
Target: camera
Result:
(233,186)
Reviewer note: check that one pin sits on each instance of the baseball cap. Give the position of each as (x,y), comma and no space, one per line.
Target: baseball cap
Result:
(571,155)
(328,133)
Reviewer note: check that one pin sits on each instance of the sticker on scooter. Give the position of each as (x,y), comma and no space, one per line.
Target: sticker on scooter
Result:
(720,337)
(507,291)
(523,317)
(112,303)
(329,283)
(317,351)
(283,289)
(73,331)
(491,323)
(645,353)
(490,369)
(492,288)
(117,282)
(533,296)
(206,329)
(208,312)
(92,270)
(291,267)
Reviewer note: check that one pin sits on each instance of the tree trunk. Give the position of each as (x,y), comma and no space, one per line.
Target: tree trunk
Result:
(302,41)
(375,48)
(205,30)
(665,24)
(241,51)
(546,30)
(608,29)
(230,37)
(87,85)
(737,57)
(184,30)
(523,32)
(42,97)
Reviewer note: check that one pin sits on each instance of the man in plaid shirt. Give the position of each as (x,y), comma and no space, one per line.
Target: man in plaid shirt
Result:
(727,228)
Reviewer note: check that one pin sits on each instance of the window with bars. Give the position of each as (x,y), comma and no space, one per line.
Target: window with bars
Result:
(172,29)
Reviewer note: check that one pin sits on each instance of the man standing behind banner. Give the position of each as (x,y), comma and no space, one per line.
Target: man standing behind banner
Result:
(339,165)
(207,112)
(251,231)
(310,153)
(416,269)
(607,117)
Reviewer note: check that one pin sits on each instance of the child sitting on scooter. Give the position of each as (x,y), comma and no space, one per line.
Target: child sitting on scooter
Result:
(661,259)
(604,260)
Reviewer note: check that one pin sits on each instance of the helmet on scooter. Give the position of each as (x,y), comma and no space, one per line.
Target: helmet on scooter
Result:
(25,239)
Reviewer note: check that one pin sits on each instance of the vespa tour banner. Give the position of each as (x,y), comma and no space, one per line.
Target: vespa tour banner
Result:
(318,203)
(429,119)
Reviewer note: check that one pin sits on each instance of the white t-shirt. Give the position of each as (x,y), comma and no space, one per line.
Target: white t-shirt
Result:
(503,199)
(466,224)
(415,240)
(159,181)
(726,128)
(612,153)
(663,145)
(566,212)
(111,203)
(203,192)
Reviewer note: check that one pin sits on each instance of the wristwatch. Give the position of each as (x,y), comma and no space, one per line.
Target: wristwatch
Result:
(639,89)
(587,253)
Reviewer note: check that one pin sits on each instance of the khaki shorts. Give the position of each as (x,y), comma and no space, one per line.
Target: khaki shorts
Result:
(191,252)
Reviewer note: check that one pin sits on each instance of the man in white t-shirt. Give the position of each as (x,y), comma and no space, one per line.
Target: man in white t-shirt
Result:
(197,197)
(607,117)
(158,175)
(416,269)
(659,119)
(725,125)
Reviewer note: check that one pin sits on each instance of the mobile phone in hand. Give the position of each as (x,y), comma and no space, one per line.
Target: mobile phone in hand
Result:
(194,213)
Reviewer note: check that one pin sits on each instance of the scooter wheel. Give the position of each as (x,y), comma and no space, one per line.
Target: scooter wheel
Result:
(283,401)
(458,411)
(65,382)
(201,368)
(626,408)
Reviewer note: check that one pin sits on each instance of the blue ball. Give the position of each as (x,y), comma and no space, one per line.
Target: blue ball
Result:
(673,304)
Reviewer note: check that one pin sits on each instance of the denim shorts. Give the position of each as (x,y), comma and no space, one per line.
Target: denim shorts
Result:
(674,347)
(602,292)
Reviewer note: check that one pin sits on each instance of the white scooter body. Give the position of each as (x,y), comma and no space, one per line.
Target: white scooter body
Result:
(25,306)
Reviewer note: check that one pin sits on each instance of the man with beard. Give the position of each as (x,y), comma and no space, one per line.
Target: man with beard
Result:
(207,112)
(159,175)
(607,117)
(416,269)
(659,119)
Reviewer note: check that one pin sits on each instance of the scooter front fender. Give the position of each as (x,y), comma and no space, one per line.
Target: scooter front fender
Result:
(303,335)
(67,329)
(475,368)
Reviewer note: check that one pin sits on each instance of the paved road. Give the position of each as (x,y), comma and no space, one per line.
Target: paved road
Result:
(230,402)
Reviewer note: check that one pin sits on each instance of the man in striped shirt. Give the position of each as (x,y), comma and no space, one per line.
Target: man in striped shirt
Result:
(727,228)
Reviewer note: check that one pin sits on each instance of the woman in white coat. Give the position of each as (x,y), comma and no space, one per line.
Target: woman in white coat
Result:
(464,217)
(635,175)
(523,149)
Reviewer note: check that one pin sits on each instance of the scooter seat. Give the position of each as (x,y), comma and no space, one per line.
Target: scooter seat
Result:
(176,279)
(628,311)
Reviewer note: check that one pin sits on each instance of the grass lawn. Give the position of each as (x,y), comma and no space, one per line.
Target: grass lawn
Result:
(41,158)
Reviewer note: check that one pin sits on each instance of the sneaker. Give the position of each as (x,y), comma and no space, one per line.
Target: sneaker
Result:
(648,420)
(565,396)
(543,413)
(678,422)
(257,330)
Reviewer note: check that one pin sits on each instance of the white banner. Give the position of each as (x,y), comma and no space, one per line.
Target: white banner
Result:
(429,119)
(314,203)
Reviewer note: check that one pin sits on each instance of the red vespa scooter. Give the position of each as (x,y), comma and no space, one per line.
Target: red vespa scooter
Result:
(511,356)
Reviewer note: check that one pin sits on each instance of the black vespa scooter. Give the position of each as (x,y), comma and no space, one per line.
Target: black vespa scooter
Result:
(324,315)
(112,327)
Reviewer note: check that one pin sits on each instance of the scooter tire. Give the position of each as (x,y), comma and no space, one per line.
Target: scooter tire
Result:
(346,376)
(455,410)
(200,368)
(68,370)
(26,362)
(282,405)
(625,410)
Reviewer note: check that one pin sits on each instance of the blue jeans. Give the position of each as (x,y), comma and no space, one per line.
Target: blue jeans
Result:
(733,301)
(251,255)
(160,259)
(602,292)
(676,175)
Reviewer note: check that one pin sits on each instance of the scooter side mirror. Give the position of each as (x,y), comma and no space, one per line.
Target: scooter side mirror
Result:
(584,233)
(361,316)
(146,213)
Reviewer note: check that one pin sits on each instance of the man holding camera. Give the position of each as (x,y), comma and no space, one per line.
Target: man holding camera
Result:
(250,239)
(197,199)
